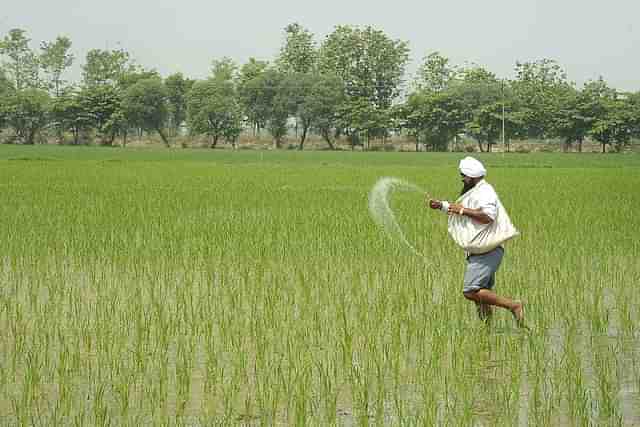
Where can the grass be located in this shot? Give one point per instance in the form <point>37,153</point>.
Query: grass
<point>192,287</point>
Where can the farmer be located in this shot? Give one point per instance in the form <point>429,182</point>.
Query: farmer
<point>482,207</point>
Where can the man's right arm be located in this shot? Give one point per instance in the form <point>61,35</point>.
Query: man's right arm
<point>436,204</point>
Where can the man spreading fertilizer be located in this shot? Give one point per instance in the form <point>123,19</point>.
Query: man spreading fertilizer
<point>480,225</point>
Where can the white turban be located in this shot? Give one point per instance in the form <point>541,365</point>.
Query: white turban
<point>472,167</point>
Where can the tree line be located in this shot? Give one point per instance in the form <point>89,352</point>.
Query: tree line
<point>351,85</point>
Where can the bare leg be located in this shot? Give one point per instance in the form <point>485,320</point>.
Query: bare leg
<point>485,296</point>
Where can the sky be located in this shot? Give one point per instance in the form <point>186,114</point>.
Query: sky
<point>588,38</point>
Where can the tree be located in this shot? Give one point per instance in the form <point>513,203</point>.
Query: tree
<point>213,109</point>
<point>102,104</point>
<point>634,104</point>
<point>224,69</point>
<point>5,90</point>
<point>279,106</point>
<point>249,92</point>
<point>55,58</point>
<point>482,96</point>
<point>298,54</point>
<point>177,88</point>
<point>578,111</point>
<point>435,74</point>
<point>539,85</point>
<point>105,66</point>
<point>433,118</point>
<point>69,114</point>
<point>314,100</point>
<point>372,66</point>
<point>145,106</point>
<point>270,101</point>
<point>27,112</point>
<point>22,66</point>
<point>613,122</point>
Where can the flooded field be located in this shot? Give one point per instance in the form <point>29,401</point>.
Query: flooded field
<point>196,288</point>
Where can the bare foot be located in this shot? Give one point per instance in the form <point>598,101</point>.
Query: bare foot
<point>518,313</point>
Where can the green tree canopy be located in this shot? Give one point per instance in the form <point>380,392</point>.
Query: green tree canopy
<point>372,67</point>
<point>540,85</point>
<point>177,88</point>
<point>102,103</point>
<point>105,66</point>
<point>224,69</point>
<point>27,112</point>
<point>213,109</point>
<point>250,90</point>
<point>55,58</point>
<point>435,74</point>
<point>21,63</point>
<point>299,53</point>
<point>371,64</point>
<point>145,106</point>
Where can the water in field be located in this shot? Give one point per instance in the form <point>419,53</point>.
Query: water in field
<point>216,288</point>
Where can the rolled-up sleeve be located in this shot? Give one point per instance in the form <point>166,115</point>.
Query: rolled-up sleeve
<point>488,202</point>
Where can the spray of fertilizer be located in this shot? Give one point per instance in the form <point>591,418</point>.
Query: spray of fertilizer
<point>381,211</point>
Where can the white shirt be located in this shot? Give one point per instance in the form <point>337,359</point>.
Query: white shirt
<point>485,198</point>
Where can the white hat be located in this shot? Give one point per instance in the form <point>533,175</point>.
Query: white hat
<point>472,167</point>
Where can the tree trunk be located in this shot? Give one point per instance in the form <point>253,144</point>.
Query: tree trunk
<point>327,137</point>
<point>124,138</point>
<point>603,148</point>
<point>163,136</point>
<point>303,138</point>
<point>31,136</point>
<point>480,146</point>
<point>489,145</point>
<point>580,144</point>
<point>214,141</point>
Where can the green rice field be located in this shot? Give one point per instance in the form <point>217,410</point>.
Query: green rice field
<point>200,287</point>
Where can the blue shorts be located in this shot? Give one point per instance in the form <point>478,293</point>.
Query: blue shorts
<point>481,270</point>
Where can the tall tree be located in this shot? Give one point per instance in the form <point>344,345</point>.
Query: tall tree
<point>299,52</point>
<point>540,85</point>
<point>177,88</point>
<point>634,103</point>
<point>315,100</point>
<point>22,64</point>
<point>68,113</point>
<point>213,109</point>
<point>435,74</point>
<point>27,112</point>
<point>250,91</point>
<point>612,115</point>
<point>274,96</point>
<point>483,96</point>
<point>5,90</point>
<point>105,66</point>
<point>433,118</point>
<point>102,104</point>
<point>55,58</point>
<point>578,111</point>
<point>224,69</point>
<point>372,67</point>
<point>145,106</point>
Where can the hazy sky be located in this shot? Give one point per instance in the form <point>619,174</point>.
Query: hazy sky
<point>589,38</point>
